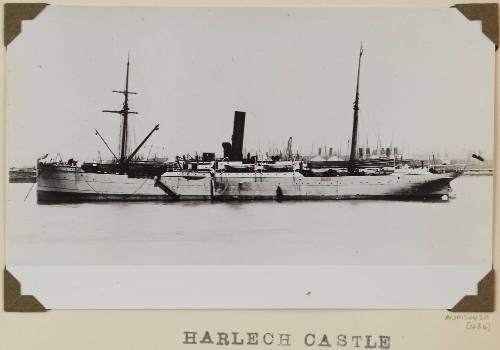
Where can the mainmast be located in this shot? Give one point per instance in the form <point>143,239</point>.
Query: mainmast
<point>354,142</point>
<point>124,112</point>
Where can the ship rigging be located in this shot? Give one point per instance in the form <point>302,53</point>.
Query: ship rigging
<point>125,164</point>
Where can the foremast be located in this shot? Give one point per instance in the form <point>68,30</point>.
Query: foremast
<point>354,140</point>
<point>124,112</point>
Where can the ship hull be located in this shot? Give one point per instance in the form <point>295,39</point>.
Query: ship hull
<point>56,196</point>
<point>421,186</point>
<point>64,183</point>
<point>71,183</point>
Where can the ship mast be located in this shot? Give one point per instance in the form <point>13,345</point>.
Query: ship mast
<point>354,142</point>
<point>124,112</point>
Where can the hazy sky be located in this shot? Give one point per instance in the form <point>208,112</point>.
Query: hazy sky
<point>427,79</point>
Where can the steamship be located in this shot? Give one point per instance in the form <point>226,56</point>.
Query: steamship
<point>236,178</point>
<point>233,177</point>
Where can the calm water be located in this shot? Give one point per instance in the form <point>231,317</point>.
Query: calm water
<point>264,232</point>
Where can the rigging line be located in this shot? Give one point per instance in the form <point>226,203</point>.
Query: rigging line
<point>138,188</point>
<point>149,152</point>
<point>126,195</point>
<point>93,187</point>
<point>29,191</point>
<point>132,126</point>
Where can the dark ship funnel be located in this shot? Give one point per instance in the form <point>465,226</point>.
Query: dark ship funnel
<point>237,139</point>
<point>226,146</point>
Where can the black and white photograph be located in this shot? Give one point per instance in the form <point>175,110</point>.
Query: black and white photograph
<point>221,157</point>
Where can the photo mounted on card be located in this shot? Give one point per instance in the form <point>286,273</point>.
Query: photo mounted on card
<point>249,157</point>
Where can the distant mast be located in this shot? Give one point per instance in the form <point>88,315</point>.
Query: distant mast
<point>354,142</point>
<point>124,112</point>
